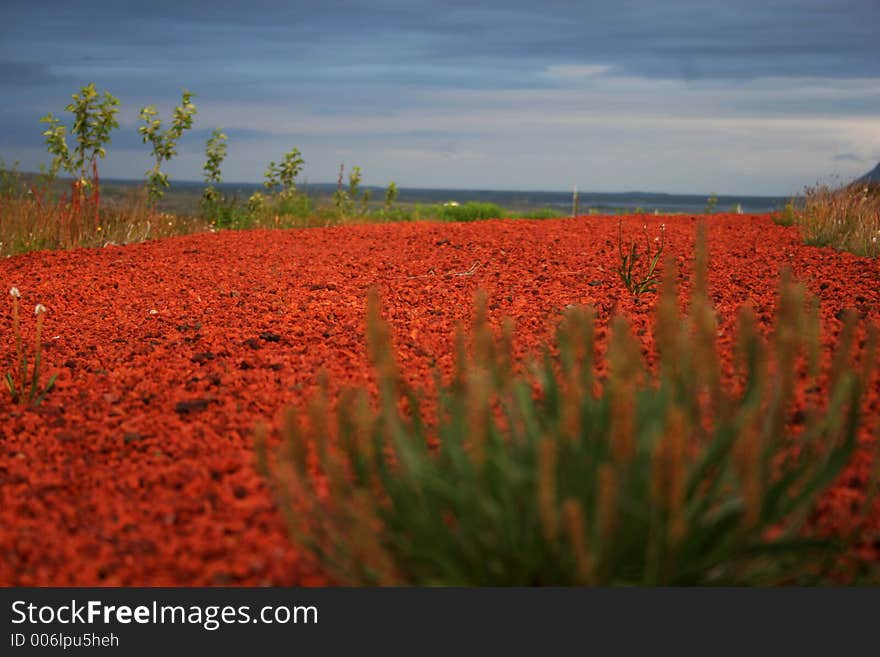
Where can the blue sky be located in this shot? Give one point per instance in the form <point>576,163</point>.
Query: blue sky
<point>733,96</point>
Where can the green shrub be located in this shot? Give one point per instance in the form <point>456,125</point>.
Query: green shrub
<point>641,476</point>
<point>295,205</point>
<point>471,211</point>
<point>786,216</point>
<point>540,213</point>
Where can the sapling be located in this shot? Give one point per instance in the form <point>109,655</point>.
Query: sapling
<point>344,199</point>
<point>164,143</point>
<point>215,151</point>
<point>390,195</point>
<point>711,202</point>
<point>94,116</point>
<point>283,176</point>
<point>340,196</point>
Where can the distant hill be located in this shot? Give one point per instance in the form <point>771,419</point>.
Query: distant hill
<point>872,176</point>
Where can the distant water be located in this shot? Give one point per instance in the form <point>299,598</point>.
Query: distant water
<point>524,200</point>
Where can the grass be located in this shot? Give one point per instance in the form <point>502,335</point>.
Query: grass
<point>35,215</point>
<point>845,218</point>
<point>644,476</point>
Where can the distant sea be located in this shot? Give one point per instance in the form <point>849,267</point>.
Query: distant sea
<point>513,200</point>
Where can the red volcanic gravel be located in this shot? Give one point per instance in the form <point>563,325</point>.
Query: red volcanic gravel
<point>138,468</point>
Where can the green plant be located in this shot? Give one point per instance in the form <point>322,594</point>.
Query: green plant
<point>663,476</point>
<point>711,203</point>
<point>344,199</point>
<point>786,216</point>
<point>215,153</point>
<point>283,177</point>
<point>636,279</point>
<point>540,213</point>
<point>11,184</point>
<point>391,194</point>
<point>94,117</point>
<point>17,384</point>
<point>846,218</point>
<point>164,144</point>
<point>471,211</point>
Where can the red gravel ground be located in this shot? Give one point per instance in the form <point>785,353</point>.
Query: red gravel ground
<point>138,469</point>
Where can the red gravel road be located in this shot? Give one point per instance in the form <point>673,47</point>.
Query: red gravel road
<point>138,468</point>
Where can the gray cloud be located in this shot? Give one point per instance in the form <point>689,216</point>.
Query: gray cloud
<point>390,80</point>
<point>848,157</point>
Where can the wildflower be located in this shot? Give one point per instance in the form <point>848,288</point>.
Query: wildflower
<point>39,309</point>
<point>13,292</point>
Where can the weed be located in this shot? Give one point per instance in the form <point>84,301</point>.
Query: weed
<point>640,279</point>
<point>846,218</point>
<point>786,216</point>
<point>641,477</point>
<point>17,383</point>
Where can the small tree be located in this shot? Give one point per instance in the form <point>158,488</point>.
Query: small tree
<point>340,197</point>
<point>391,195</point>
<point>283,176</point>
<point>94,116</point>
<point>215,152</point>
<point>164,143</point>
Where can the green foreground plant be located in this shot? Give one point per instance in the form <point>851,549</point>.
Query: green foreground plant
<point>17,382</point>
<point>662,476</point>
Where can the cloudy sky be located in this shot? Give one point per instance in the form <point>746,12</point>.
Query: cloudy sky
<point>731,96</point>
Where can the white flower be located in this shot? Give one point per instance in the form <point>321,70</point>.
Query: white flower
<point>13,292</point>
<point>39,309</point>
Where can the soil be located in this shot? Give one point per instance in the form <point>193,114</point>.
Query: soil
<point>138,468</point>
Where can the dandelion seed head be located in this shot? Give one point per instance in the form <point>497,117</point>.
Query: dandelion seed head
<point>13,292</point>
<point>40,309</point>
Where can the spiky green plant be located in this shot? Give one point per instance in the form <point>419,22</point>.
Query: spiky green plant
<point>639,279</point>
<point>641,476</point>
